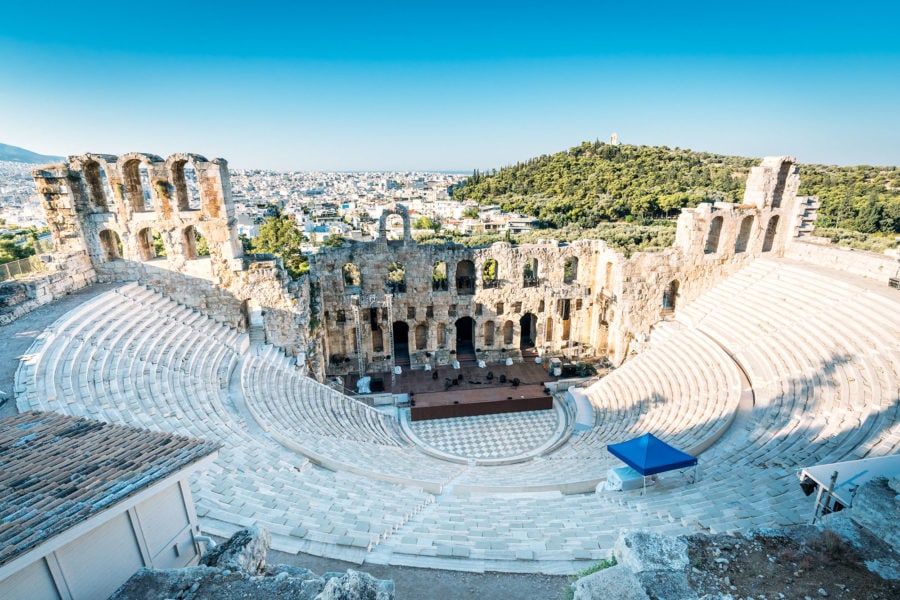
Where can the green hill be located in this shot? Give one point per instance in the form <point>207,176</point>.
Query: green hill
<point>596,182</point>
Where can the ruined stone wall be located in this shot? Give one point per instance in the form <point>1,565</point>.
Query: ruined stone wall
<point>66,274</point>
<point>611,302</point>
<point>564,310</point>
<point>108,210</point>
<point>712,242</point>
<point>875,266</point>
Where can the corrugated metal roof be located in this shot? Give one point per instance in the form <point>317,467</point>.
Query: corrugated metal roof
<point>57,470</point>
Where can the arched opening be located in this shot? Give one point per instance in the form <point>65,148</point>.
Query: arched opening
<point>465,334</point>
<point>352,276</point>
<point>771,230</point>
<point>396,278</point>
<point>159,246</point>
<point>743,238</point>
<point>530,273</point>
<point>548,333</point>
<point>712,238</point>
<point>780,184</point>
<point>146,244</point>
<point>401,343</point>
<point>527,331</point>
<point>95,188</point>
<point>489,276</point>
<point>187,185</point>
<point>441,335</point>
<point>195,245</point>
<point>670,295</point>
<point>137,186</point>
<point>489,334</point>
<point>394,227</point>
<point>570,269</point>
<point>422,337</point>
<point>508,331</point>
<point>111,244</point>
<point>465,277</point>
<point>439,276</point>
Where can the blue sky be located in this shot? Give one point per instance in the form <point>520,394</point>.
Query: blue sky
<point>396,85</point>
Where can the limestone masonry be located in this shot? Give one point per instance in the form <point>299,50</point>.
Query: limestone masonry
<point>369,306</point>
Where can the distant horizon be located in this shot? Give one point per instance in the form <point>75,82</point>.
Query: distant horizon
<point>405,86</point>
<point>485,170</point>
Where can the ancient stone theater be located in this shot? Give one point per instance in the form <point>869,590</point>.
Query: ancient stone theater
<point>427,405</point>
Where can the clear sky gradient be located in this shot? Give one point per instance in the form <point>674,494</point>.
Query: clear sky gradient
<point>451,85</point>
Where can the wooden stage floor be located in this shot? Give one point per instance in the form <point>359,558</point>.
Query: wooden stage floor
<point>422,382</point>
<point>474,393</point>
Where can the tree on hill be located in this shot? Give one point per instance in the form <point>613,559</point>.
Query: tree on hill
<point>280,237</point>
<point>595,182</point>
<point>425,222</point>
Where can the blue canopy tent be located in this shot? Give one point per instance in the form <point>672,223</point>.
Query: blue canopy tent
<point>649,455</point>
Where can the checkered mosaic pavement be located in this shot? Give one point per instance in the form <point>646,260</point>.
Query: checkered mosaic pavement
<point>489,436</point>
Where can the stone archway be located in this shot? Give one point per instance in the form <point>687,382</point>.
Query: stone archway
<point>465,339</point>
<point>527,331</point>
<point>401,343</point>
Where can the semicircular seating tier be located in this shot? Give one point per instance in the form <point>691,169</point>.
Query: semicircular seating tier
<point>821,352</point>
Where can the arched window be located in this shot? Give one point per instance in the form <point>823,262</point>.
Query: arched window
<point>394,227</point>
<point>712,238</point>
<point>352,276</point>
<point>396,278</point>
<point>465,277</point>
<point>771,230</point>
<point>194,242</point>
<point>548,333</point>
<point>137,186</point>
<point>743,238</point>
<point>187,186</point>
<point>530,273</point>
<point>508,331</point>
<point>441,335</point>
<point>422,337</point>
<point>489,276</point>
<point>111,244</point>
<point>489,333</point>
<point>439,277</point>
<point>95,187</point>
<point>670,295</point>
<point>570,269</point>
<point>146,244</point>
<point>780,184</point>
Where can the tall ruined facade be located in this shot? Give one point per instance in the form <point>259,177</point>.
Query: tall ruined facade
<point>369,306</point>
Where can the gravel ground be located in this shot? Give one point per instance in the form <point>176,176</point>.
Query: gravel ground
<point>431,584</point>
<point>798,562</point>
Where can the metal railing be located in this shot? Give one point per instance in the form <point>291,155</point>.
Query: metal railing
<point>21,267</point>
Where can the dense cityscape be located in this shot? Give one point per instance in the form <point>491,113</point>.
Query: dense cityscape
<point>322,204</point>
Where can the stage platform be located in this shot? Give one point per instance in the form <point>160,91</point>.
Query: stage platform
<point>434,395</point>
<point>471,403</point>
